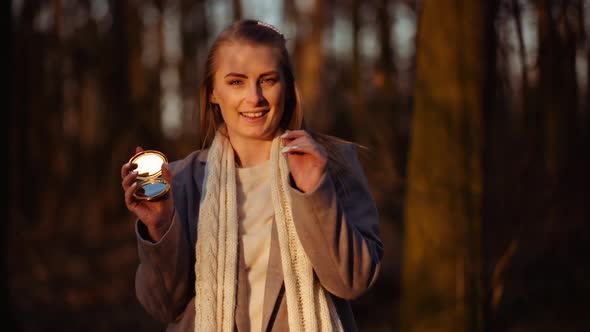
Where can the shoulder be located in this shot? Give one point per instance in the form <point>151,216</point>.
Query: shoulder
<point>191,161</point>
<point>187,177</point>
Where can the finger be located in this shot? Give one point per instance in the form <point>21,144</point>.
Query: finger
<point>302,148</point>
<point>129,199</point>
<point>292,134</point>
<point>301,140</point>
<point>305,145</point>
<point>129,180</point>
<point>127,168</point>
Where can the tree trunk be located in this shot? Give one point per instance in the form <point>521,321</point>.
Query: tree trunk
<point>358,116</point>
<point>194,47</point>
<point>309,63</point>
<point>524,83</point>
<point>10,135</point>
<point>559,102</point>
<point>587,112</point>
<point>441,273</point>
<point>237,9</point>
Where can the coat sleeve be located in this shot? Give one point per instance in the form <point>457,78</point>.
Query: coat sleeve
<point>162,280</point>
<point>338,226</point>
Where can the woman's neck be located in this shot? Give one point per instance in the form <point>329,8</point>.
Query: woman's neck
<point>250,153</point>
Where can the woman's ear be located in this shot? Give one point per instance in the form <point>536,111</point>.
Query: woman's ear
<point>212,98</point>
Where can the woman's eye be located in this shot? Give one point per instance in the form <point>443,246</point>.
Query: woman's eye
<point>268,80</point>
<point>235,82</point>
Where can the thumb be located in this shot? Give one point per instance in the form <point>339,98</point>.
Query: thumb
<point>138,149</point>
<point>166,173</point>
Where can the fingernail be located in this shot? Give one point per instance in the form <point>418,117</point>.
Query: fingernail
<point>134,172</point>
<point>285,134</point>
<point>289,148</point>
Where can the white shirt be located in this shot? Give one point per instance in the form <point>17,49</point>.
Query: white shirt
<point>255,218</point>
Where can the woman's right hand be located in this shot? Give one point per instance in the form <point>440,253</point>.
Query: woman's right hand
<point>156,215</point>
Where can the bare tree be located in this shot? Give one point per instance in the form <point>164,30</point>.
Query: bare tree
<point>441,278</point>
<point>237,9</point>
<point>557,102</point>
<point>309,60</point>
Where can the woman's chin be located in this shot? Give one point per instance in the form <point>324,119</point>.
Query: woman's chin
<point>255,135</point>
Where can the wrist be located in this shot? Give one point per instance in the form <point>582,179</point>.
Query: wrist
<point>158,229</point>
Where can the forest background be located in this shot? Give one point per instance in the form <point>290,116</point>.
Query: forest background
<point>476,115</point>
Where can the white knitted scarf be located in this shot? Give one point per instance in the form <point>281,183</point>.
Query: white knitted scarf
<point>309,306</point>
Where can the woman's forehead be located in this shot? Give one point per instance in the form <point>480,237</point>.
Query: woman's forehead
<point>247,57</point>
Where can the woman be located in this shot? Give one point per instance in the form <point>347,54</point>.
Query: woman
<point>269,227</point>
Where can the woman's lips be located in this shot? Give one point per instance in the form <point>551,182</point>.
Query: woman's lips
<point>254,115</point>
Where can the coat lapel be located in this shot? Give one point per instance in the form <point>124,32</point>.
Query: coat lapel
<point>274,278</point>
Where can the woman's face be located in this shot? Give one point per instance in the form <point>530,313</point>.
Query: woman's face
<point>249,87</point>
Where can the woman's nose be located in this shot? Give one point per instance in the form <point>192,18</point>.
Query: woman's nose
<point>255,94</point>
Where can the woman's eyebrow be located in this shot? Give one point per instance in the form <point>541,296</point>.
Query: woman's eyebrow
<point>235,74</point>
<point>270,72</point>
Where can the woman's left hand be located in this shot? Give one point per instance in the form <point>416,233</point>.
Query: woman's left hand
<point>307,159</point>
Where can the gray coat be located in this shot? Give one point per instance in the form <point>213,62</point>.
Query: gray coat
<point>337,225</point>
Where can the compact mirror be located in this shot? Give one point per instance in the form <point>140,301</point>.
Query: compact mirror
<point>150,183</point>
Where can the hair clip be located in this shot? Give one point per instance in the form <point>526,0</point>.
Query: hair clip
<point>270,27</point>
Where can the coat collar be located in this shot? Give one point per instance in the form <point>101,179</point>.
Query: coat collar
<point>202,155</point>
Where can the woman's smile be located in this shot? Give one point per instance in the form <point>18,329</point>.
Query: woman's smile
<point>254,115</point>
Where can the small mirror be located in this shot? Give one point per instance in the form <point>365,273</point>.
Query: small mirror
<point>150,184</point>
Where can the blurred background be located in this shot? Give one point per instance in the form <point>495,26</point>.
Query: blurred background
<point>476,115</point>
